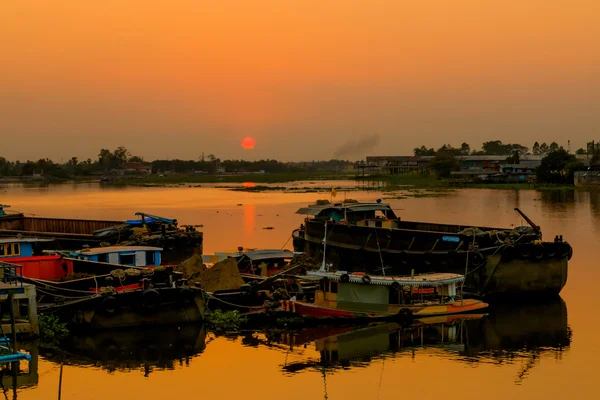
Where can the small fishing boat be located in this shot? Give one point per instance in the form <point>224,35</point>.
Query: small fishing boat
<point>343,295</point>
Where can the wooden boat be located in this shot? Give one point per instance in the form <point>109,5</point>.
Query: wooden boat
<point>68,274</point>
<point>146,306</point>
<point>343,295</point>
<point>369,237</point>
<point>73,234</point>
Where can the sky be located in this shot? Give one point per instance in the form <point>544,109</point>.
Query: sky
<point>176,78</point>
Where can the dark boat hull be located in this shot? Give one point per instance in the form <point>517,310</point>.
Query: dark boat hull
<point>165,306</point>
<point>495,274</point>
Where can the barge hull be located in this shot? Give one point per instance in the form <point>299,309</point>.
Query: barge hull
<point>495,278</point>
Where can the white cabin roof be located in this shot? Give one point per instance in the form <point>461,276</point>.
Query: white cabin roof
<point>418,280</point>
<point>24,240</point>
<point>116,249</point>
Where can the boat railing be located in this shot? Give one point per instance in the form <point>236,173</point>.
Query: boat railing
<point>12,274</point>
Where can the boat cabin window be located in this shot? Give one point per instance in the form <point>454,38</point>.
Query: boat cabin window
<point>127,259</point>
<point>329,286</point>
<point>333,287</point>
<point>10,249</point>
<point>103,257</point>
<point>150,258</point>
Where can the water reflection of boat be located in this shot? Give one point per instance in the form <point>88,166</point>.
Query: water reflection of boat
<point>132,349</point>
<point>510,331</point>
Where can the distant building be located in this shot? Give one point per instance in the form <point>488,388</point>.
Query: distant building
<point>139,167</point>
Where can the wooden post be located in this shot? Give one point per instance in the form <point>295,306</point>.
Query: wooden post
<point>32,314</point>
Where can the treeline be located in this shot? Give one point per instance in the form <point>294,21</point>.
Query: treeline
<point>120,158</point>
<point>492,148</point>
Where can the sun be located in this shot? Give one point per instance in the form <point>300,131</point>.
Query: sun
<point>248,143</point>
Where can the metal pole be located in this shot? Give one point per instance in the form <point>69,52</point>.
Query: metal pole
<point>60,381</point>
<point>13,329</point>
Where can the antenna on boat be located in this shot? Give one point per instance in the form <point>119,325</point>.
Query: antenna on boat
<point>322,269</point>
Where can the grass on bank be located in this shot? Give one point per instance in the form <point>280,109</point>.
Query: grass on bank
<point>237,178</point>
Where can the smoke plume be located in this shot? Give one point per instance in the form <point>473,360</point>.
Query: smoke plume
<point>357,147</point>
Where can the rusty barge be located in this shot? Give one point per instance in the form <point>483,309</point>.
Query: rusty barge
<point>497,262</point>
<point>178,243</point>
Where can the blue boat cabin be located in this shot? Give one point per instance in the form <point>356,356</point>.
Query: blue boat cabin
<point>138,256</point>
<point>21,247</point>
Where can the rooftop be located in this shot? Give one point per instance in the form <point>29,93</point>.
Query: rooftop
<point>115,249</point>
<point>418,280</point>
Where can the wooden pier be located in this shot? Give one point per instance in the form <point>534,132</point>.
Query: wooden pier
<point>19,299</point>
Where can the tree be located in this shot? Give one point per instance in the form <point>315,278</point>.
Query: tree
<point>121,154</point>
<point>136,159</point>
<point>494,147</point>
<point>553,147</point>
<point>105,158</point>
<point>443,163</point>
<point>423,151</point>
<point>515,158</point>
<point>556,167</point>
<point>544,149</point>
<point>465,149</point>
<point>580,151</point>
<point>211,157</point>
<point>536,149</point>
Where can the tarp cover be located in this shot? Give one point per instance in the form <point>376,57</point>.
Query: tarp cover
<point>362,297</point>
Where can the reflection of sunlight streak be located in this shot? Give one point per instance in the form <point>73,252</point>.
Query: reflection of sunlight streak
<point>249,185</point>
<point>249,217</point>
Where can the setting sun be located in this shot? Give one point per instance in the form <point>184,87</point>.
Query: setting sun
<point>248,143</point>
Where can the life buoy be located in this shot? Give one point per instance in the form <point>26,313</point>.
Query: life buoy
<point>109,306</point>
<point>564,250</point>
<point>537,251</point>
<point>508,253</point>
<point>404,257</point>
<point>524,251</point>
<point>246,288</point>
<point>170,243</point>
<point>405,315</point>
<point>345,278</point>
<point>428,258</point>
<point>366,279</point>
<point>476,259</point>
<point>550,250</point>
<point>185,296</point>
<point>150,299</point>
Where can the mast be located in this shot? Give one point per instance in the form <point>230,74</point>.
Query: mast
<point>322,269</point>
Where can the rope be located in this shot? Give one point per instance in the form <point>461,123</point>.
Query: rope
<point>379,250</point>
<point>210,296</point>
<point>286,242</point>
<point>43,283</point>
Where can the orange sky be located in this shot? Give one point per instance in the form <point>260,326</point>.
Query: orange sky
<point>176,78</point>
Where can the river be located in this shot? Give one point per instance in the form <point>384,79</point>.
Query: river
<point>545,351</point>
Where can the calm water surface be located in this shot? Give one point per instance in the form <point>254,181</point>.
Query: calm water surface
<point>535,351</point>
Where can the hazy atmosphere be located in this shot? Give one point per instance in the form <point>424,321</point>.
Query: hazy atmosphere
<point>172,79</point>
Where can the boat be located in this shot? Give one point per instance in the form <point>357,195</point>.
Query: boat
<point>343,295</point>
<point>369,237</point>
<point>150,305</point>
<point>68,274</point>
<point>179,243</point>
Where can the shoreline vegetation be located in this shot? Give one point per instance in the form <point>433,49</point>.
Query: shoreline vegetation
<point>410,185</point>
